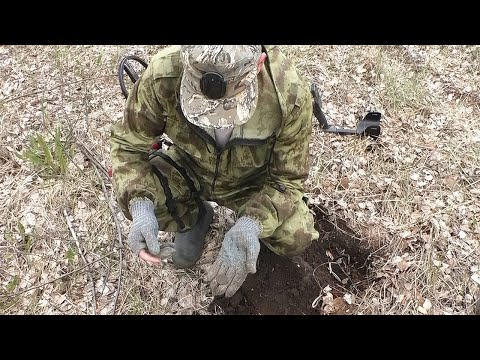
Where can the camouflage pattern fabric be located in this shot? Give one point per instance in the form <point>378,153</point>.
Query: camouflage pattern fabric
<point>259,173</point>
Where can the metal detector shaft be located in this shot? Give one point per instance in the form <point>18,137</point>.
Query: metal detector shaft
<point>369,125</point>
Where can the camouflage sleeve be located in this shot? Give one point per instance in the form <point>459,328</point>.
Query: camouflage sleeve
<point>290,166</point>
<point>132,138</point>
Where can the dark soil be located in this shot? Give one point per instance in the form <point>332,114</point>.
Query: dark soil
<point>283,286</point>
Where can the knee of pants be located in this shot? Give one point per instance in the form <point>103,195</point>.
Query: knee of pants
<point>187,212</point>
<point>295,234</point>
<point>173,189</point>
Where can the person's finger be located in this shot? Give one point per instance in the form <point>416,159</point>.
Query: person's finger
<point>152,243</point>
<point>252,256</point>
<point>137,246</point>
<point>220,275</point>
<point>213,286</point>
<point>229,276</point>
<point>144,255</point>
<point>237,281</point>
<point>212,272</point>
<point>135,241</point>
<point>220,279</point>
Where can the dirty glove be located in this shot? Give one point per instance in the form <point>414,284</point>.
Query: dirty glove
<point>236,259</point>
<point>144,229</point>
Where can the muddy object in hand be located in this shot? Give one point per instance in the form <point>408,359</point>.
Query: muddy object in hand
<point>222,279</point>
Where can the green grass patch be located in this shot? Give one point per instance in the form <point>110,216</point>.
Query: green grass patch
<point>52,157</point>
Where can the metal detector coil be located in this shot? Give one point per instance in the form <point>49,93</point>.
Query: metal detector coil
<point>368,126</point>
<point>125,67</point>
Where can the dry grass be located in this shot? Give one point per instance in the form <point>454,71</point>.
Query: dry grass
<point>413,195</point>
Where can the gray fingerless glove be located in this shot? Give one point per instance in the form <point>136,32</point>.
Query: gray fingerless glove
<point>144,228</point>
<point>236,259</point>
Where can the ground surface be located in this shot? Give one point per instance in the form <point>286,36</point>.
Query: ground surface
<point>296,286</point>
<point>409,201</point>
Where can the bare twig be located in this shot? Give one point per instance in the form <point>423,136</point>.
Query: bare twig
<point>333,272</point>
<point>53,88</point>
<point>337,227</point>
<point>99,167</point>
<point>74,235</point>
<point>60,277</point>
<point>87,153</point>
<point>119,236</point>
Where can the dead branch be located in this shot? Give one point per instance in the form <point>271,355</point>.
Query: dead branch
<point>89,155</point>
<point>60,277</point>
<point>119,236</point>
<point>55,87</point>
<point>74,235</point>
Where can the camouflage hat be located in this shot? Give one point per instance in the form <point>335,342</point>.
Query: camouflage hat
<point>219,84</point>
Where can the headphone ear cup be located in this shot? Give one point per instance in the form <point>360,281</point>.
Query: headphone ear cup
<point>213,85</point>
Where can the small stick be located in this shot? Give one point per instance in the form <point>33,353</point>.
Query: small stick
<point>92,158</point>
<point>60,277</point>
<point>119,236</point>
<point>74,235</point>
<point>53,88</point>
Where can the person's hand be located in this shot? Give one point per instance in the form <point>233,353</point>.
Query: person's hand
<point>142,237</point>
<point>236,259</point>
<point>166,250</point>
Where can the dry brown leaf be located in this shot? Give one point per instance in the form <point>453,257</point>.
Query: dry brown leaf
<point>427,305</point>
<point>329,254</point>
<point>422,310</point>
<point>337,306</point>
<point>349,298</point>
<point>416,215</point>
<point>450,180</point>
<point>476,277</point>
<point>344,182</point>
<point>403,265</point>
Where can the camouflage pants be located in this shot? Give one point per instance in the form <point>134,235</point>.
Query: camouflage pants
<point>292,237</point>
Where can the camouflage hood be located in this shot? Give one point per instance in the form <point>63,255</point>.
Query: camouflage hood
<point>219,84</point>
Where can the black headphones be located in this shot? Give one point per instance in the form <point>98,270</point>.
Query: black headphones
<point>213,85</point>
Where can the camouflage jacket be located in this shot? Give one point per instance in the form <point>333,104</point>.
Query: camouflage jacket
<point>269,153</point>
